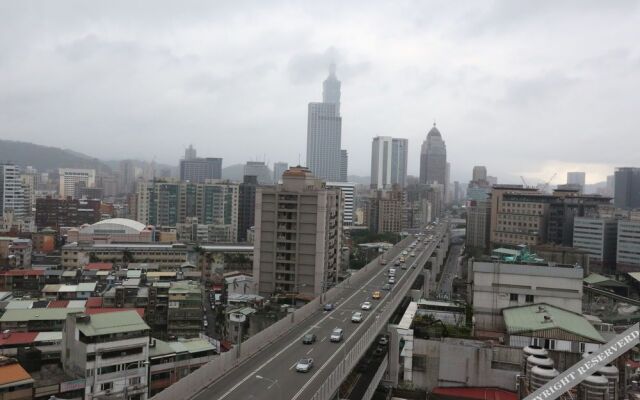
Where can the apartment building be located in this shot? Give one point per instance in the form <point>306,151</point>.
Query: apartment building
<point>109,351</point>
<point>70,178</point>
<point>184,315</point>
<point>498,285</point>
<point>75,255</point>
<point>297,235</point>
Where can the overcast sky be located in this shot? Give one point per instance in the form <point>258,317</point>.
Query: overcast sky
<point>524,87</point>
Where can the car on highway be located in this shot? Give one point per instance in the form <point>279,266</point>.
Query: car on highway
<point>378,351</point>
<point>404,266</point>
<point>402,260</point>
<point>375,295</point>
<point>304,365</point>
<point>328,307</point>
<point>404,253</point>
<point>392,280</point>
<point>383,341</point>
<point>309,338</point>
<point>357,317</point>
<point>336,335</point>
<point>397,263</point>
<point>413,254</point>
<point>386,287</point>
<point>366,305</point>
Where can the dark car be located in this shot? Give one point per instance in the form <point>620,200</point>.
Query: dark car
<point>378,351</point>
<point>328,307</point>
<point>309,338</point>
<point>386,286</point>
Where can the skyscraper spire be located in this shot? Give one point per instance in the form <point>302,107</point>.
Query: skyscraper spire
<point>331,89</point>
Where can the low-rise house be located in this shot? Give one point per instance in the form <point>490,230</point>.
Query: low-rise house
<point>109,351</point>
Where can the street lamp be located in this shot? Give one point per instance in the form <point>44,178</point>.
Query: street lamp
<point>272,382</point>
<point>126,374</point>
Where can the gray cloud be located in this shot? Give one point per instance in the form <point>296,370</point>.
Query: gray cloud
<point>515,85</point>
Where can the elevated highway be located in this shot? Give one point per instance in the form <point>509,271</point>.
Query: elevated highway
<point>264,368</point>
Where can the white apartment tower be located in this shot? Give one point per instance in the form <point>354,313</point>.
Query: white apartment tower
<point>388,162</point>
<point>11,192</point>
<point>324,132</point>
<point>70,177</point>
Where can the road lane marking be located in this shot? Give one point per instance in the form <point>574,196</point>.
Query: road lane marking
<point>340,349</point>
<point>309,352</point>
<point>228,392</point>
<point>323,339</point>
<point>293,366</point>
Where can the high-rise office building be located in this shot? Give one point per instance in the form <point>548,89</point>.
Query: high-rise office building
<point>387,211</point>
<point>260,170</point>
<point>11,191</point>
<point>247,205</point>
<point>297,236</point>
<point>388,162</point>
<point>190,153</point>
<point>628,246</point>
<point>324,132</point>
<point>344,165</point>
<point>433,159</point>
<point>29,178</point>
<point>278,170</point>
<point>627,188</point>
<point>70,177</point>
<point>479,173</point>
<point>576,178</point>
<point>596,236</point>
<point>199,170</point>
<point>127,176</point>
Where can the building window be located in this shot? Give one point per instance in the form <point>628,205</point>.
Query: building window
<point>582,347</point>
<point>106,386</point>
<point>528,298</point>
<point>513,296</point>
<point>134,381</point>
<point>549,344</point>
<point>419,363</point>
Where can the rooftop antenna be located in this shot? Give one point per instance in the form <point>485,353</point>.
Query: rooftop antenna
<point>299,159</point>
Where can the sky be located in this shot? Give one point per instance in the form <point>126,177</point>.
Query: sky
<point>526,88</point>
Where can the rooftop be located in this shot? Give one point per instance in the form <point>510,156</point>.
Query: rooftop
<point>11,374</point>
<point>542,317</point>
<point>112,322</point>
<point>38,314</point>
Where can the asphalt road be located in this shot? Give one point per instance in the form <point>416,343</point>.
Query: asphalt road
<point>450,270</point>
<point>276,365</point>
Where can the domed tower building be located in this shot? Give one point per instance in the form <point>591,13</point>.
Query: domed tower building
<point>433,159</point>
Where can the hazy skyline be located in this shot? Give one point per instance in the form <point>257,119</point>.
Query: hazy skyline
<point>524,88</point>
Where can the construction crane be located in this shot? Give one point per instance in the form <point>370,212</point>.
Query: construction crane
<point>547,183</point>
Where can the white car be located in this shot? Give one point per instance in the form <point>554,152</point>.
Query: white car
<point>357,317</point>
<point>304,365</point>
<point>392,280</point>
<point>336,335</point>
<point>366,305</point>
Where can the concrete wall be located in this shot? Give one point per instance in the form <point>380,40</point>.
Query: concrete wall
<point>456,362</point>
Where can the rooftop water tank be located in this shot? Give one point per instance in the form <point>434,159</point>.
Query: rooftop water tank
<point>531,351</point>
<point>540,375</point>
<point>594,387</point>
<point>534,360</point>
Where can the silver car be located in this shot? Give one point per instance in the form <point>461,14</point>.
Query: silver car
<point>304,365</point>
<point>336,335</point>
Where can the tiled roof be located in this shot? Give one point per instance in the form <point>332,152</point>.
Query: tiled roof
<point>476,393</point>
<point>58,304</point>
<point>24,272</point>
<point>13,373</point>
<point>100,266</point>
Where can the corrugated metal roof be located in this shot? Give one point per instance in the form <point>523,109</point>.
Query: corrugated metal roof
<point>476,393</point>
<point>87,287</point>
<point>528,319</point>
<point>597,279</point>
<point>48,336</point>
<point>19,304</point>
<point>114,322</point>
<point>77,303</point>
<point>38,314</point>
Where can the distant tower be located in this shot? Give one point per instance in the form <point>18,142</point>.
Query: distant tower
<point>344,165</point>
<point>324,132</point>
<point>190,153</point>
<point>278,170</point>
<point>433,159</point>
